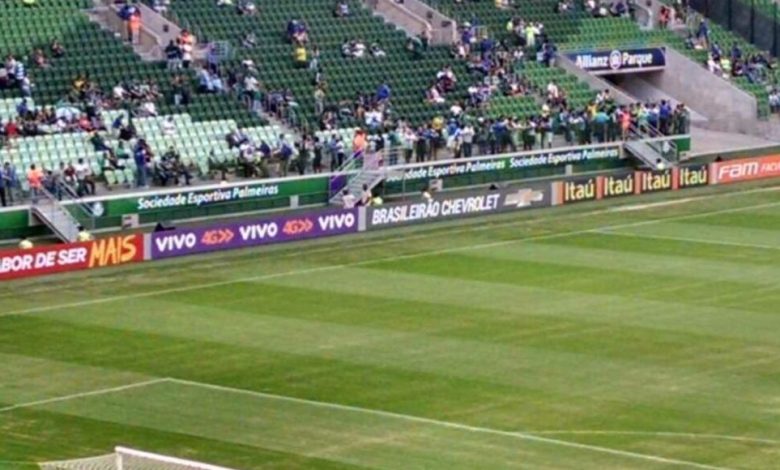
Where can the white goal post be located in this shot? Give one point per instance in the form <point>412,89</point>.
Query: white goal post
<point>125,458</point>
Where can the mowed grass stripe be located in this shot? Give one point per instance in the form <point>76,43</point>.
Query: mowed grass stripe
<point>707,233</point>
<point>36,435</point>
<point>29,378</point>
<point>562,229</point>
<point>762,219</point>
<point>351,435</point>
<point>294,375</point>
<point>584,375</point>
<point>734,396</point>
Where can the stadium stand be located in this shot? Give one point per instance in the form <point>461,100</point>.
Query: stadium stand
<point>578,28</point>
<point>345,77</point>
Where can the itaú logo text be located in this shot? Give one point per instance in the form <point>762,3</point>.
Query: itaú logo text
<point>297,226</point>
<point>217,237</point>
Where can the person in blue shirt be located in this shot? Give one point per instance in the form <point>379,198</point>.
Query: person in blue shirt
<point>140,156</point>
<point>383,93</point>
<point>703,32</point>
<point>10,181</point>
<point>664,116</point>
<point>22,108</point>
<point>736,52</point>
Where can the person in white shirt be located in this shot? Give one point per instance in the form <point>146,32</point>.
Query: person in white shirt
<point>553,92</point>
<point>366,197</point>
<point>358,49</point>
<point>186,54</point>
<point>119,92</point>
<point>434,97</point>
<point>149,108</point>
<point>168,126</point>
<point>85,182</point>
<point>348,199</point>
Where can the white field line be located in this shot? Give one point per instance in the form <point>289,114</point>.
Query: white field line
<point>683,435</point>
<point>651,205</point>
<point>687,239</point>
<point>91,393</point>
<point>452,425</point>
<point>333,267</point>
<point>52,287</point>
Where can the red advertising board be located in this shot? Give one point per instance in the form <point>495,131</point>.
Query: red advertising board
<point>112,251</point>
<point>745,169</point>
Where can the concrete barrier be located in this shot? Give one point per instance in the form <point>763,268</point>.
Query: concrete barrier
<point>414,16</point>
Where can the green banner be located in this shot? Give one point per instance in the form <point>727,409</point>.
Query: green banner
<point>506,163</point>
<point>144,203</point>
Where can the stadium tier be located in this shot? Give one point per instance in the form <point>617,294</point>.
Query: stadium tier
<point>92,52</point>
<point>579,30</point>
<point>345,76</point>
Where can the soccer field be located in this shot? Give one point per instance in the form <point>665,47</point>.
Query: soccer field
<point>590,336</point>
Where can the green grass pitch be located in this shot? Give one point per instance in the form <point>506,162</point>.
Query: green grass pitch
<point>580,337</point>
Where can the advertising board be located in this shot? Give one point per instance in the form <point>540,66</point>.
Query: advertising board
<point>213,195</point>
<point>692,176</point>
<point>745,169</point>
<point>254,232</point>
<point>457,205</point>
<point>111,251</point>
<point>619,60</point>
<point>504,163</point>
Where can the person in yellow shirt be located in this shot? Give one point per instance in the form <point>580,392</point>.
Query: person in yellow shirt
<point>301,56</point>
<point>25,244</point>
<point>84,235</point>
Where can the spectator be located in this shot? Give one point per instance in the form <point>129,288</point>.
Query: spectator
<point>85,182</point>
<point>383,93</point>
<point>173,55</point>
<point>141,156</point>
<point>168,127</point>
<point>348,199</point>
<point>774,101</point>
<point>433,96</point>
<point>703,33</point>
<point>297,32</point>
<point>39,59</point>
<point>376,50</point>
<point>300,56</point>
<point>56,49</point>
<point>353,48</point>
<point>246,8</point>
<point>249,40</point>
<point>426,35</point>
<point>341,10</point>
<point>160,6</point>
<point>365,196</point>
<point>35,180</point>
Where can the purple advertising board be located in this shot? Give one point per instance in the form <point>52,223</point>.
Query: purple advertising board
<point>264,231</point>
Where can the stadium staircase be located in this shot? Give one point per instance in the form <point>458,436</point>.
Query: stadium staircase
<point>49,210</point>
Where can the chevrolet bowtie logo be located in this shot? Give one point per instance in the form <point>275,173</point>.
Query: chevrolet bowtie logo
<point>523,198</point>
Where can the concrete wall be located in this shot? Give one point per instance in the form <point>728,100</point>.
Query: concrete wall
<point>413,16</point>
<point>726,107</point>
<point>595,82</point>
